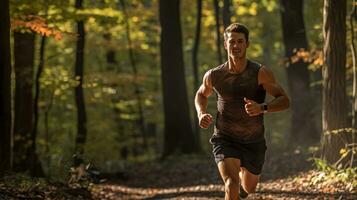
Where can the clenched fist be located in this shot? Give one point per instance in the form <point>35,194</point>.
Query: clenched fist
<point>252,108</point>
<point>205,120</point>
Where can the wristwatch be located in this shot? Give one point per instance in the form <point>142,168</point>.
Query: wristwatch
<point>265,107</point>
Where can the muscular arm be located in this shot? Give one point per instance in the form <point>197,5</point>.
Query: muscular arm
<point>267,80</point>
<point>201,100</point>
<point>202,94</point>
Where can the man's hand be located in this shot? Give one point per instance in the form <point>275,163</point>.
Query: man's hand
<point>205,120</point>
<point>252,108</point>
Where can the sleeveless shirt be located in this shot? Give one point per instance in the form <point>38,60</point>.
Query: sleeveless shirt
<point>231,88</point>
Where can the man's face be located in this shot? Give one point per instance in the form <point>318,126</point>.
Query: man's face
<point>236,45</point>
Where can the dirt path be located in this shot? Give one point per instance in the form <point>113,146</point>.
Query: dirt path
<point>198,178</point>
<point>213,191</point>
<point>285,176</point>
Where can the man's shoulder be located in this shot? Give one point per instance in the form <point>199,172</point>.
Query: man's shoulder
<point>213,73</point>
<point>217,68</point>
<point>255,64</point>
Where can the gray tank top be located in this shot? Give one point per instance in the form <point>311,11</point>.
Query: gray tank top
<point>231,88</point>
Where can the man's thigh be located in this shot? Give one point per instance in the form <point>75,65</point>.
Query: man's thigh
<point>249,181</point>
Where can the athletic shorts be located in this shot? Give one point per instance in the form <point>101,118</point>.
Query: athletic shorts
<point>251,155</point>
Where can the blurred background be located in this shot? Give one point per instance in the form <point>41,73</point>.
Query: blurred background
<point>113,81</point>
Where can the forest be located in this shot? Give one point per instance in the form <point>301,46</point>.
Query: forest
<point>97,97</point>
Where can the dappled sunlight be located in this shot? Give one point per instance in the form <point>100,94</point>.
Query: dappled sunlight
<point>170,99</point>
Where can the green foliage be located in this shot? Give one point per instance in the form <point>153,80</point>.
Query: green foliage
<point>329,174</point>
<point>111,100</point>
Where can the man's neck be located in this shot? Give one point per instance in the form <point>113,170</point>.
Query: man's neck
<point>237,65</point>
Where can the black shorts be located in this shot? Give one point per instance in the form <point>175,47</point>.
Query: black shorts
<point>251,155</point>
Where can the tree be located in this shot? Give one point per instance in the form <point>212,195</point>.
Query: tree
<point>226,13</point>
<point>140,121</point>
<point>79,96</point>
<point>195,61</point>
<point>37,171</point>
<point>196,45</point>
<point>178,134</point>
<point>353,17</point>
<point>294,37</point>
<point>5,91</point>
<point>24,49</point>
<point>110,54</point>
<point>334,114</point>
<point>218,33</point>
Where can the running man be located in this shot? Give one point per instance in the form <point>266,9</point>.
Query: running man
<point>238,139</point>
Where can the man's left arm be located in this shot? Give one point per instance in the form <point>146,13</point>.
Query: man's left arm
<point>267,80</point>
<point>280,101</point>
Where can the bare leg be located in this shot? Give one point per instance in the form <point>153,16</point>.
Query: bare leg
<point>229,170</point>
<point>249,181</point>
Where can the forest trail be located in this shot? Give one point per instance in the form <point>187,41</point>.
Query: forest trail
<point>266,190</point>
<point>287,175</point>
<point>197,178</point>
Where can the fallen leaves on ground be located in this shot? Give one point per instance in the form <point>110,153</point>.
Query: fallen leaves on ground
<point>286,176</point>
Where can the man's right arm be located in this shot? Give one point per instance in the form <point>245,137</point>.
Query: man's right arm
<point>201,101</point>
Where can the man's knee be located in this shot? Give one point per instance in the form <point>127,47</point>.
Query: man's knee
<point>231,184</point>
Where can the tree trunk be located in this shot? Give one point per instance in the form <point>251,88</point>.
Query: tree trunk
<point>178,135</point>
<point>196,45</point>
<point>353,14</point>
<point>334,114</point>
<point>294,37</point>
<point>5,91</point>
<point>79,96</point>
<point>353,53</point>
<point>195,64</point>
<point>36,168</point>
<point>110,54</point>
<point>111,61</point>
<point>140,121</point>
<point>218,33</point>
<point>226,13</point>
<point>24,49</point>
<point>47,132</point>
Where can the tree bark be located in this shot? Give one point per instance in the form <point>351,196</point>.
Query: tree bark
<point>195,64</point>
<point>334,114</point>
<point>218,33</point>
<point>196,44</point>
<point>226,13</point>
<point>36,169</point>
<point>178,134</point>
<point>79,96</point>
<point>5,91</point>
<point>24,50</point>
<point>353,14</point>
<point>294,37</point>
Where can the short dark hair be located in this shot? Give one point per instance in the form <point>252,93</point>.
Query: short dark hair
<point>237,28</point>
